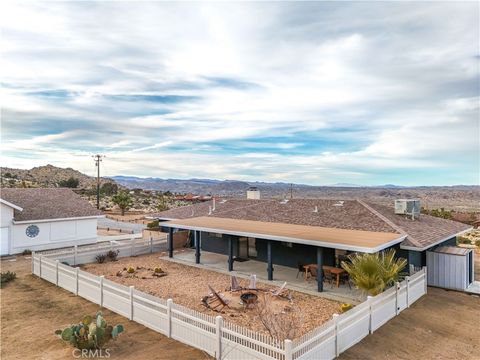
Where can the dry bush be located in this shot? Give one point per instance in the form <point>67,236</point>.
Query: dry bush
<point>281,325</point>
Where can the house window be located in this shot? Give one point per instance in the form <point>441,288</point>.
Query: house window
<point>215,235</point>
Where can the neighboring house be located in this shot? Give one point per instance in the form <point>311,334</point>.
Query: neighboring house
<point>289,232</point>
<point>40,219</point>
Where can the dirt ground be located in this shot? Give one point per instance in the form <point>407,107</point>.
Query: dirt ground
<point>32,309</point>
<point>441,325</point>
<point>186,285</point>
<point>129,217</point>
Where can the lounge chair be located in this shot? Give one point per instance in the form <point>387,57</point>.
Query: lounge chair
<point>281,291</point>
<point>253,283</point>
<point>234,286</point>
<point>215,301</point>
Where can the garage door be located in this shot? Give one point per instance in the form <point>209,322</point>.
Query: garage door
<point>4,241</point>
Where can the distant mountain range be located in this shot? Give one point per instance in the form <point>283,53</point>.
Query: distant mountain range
<point>461,197</point>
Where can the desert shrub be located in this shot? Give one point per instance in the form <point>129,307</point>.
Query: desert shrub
<point>130,270</point>
<point>27,252</point>
<point>280,325</point>
<point>109,188</point>
<point>70,183</point>
<point>113,254</point>
<point>153,224</point>
<point>373,273</point>
<point>158,270</point>
<point>6,277</point>
<point>100,258</point>
<point>477,243</point>
<point>463,240</point>
<point>91,333</point>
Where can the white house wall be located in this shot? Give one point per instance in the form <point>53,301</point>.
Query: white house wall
<point>53,234</point>
<point>6,215</point>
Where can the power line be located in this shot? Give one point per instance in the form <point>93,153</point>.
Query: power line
<point>97,158</point>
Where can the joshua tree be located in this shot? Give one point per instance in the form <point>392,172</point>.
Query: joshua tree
<point>373,273</point>
<point>123,200</point>
<point>162,203</point>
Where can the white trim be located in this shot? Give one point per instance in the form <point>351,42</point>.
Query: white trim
<point>16,207</point>
<point>435,243</point>
<point>290,239</point>
<point>60,219</point>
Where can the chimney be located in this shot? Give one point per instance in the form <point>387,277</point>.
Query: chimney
<point>316,209</point>
<point>253,193</point>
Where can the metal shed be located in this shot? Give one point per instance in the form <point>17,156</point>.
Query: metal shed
<point>450,267</point>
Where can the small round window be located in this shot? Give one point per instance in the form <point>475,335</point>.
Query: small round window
<point>32,231</point>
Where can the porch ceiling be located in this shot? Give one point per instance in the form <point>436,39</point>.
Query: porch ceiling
<point>355,240</point>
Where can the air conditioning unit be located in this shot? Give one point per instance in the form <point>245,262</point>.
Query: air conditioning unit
<point>407,207</point>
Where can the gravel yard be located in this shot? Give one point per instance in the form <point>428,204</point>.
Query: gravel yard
<point>186,285</point>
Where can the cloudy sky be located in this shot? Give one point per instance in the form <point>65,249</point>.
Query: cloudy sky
<point>316,93</point>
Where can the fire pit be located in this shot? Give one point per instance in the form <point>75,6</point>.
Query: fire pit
<point>248,299</point>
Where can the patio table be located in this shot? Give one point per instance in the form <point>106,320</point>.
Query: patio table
<point>334,270</point>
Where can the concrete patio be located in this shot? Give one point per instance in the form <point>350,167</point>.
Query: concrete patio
<point>219,263</point>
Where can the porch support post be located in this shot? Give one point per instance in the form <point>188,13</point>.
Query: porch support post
<point>269,259</point>
<point>230,253</point>
<point>319,269</point>
<point>197,246</point>
<point>170,243</point>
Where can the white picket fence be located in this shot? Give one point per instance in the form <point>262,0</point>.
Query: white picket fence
<point>219,338</point>
<point>347,329</point>
<point>85,254</point>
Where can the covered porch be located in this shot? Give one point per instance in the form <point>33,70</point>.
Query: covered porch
<point>295,280</point>
<point>278,246</point>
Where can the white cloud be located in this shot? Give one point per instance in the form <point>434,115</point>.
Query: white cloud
<point>360,90</point>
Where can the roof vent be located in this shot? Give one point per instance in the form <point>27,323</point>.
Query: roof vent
<point>316,209</point>
<point>284,201</point>
<point>339,203</point>
<point>223,201</point>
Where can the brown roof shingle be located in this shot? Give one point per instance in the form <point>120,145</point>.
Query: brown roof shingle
<point>44,204</point>
<point>425,230</point>
<point>353,214</point>
<point>312,212</point>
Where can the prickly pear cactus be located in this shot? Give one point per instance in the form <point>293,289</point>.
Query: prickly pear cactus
<point>92,332</point>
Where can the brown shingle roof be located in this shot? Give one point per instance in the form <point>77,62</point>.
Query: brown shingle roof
<point>354,215</point>
<point>424,231</point>
<point>43,204</point>
<point>312,212</point>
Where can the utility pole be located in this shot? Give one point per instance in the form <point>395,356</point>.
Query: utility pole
<point>97,158</point>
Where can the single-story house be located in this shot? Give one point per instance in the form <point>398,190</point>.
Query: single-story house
<point>41,219</point>
<point>289,232</point>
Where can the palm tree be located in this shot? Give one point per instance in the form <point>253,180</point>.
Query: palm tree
<point>123,200</point>
<point>373,273</point>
